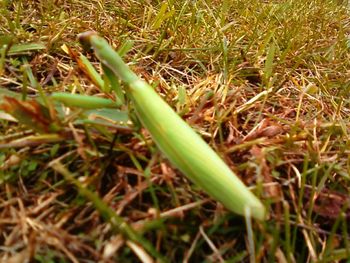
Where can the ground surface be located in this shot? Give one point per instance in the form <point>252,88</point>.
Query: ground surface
<point>266,83</point>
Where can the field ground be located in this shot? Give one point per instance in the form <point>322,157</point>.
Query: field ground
<point>266,83</point>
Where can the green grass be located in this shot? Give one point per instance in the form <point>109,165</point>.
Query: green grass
<point>266,83</point>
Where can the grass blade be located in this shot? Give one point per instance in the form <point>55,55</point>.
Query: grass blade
<point>117,222</point>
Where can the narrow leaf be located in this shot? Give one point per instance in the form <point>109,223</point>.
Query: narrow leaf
<point>269,62</point>
<point>24,48</point>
